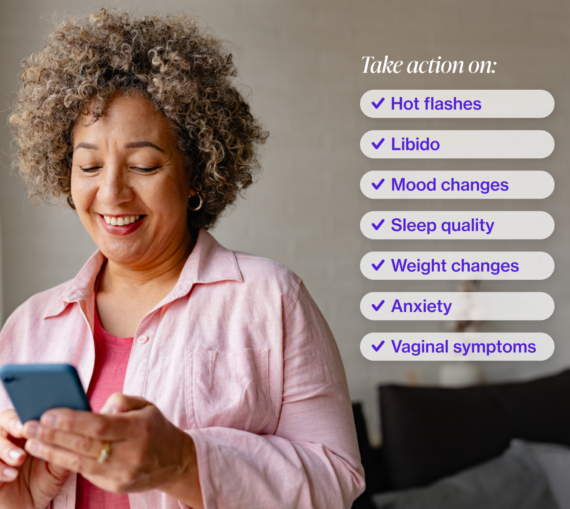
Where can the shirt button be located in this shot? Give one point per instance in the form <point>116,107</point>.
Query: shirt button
<point>142,340</point>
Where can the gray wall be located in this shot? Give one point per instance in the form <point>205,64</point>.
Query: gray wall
<point>302,61</point>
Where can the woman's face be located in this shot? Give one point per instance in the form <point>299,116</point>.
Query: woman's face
<point>129,183</point>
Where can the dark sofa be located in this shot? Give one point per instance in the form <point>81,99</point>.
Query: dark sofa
<point>430,432</point>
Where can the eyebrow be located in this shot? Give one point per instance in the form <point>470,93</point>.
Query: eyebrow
<point>86,145</point>
<point>133,144</point>
<point>140,144</point>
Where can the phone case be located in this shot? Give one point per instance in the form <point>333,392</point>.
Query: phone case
<point>36,388</point>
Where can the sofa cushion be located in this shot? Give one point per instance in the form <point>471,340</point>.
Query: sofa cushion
<point>430,433</point>
<point>513,481</point>
<point>555,463</point>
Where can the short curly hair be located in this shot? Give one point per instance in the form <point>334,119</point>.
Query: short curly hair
<point>180,68</point>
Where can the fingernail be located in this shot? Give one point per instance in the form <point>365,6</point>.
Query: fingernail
<point>16,454</point>
<point>17,425</point>
<point>9,472</point>
<point>33,430</point>
<point>50,420</point>
<point>33,446</point>
<point>111,409</point>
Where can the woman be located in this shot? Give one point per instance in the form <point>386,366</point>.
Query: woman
<point>214,379</point>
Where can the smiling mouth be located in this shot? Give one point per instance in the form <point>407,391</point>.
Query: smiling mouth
<point>122,220</point>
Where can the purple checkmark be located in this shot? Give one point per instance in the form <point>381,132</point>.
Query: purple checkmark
<point>376,226</point>
<point>378,104</point>
<point>377,145</point>
<point>377,186</point>
<point>376,348</point>
<point>376,267</point>
<point>377,307</point>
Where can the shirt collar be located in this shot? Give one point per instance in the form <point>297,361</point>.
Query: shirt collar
<point>209,262</point>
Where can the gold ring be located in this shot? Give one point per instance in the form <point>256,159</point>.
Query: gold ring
<point>105,453</point>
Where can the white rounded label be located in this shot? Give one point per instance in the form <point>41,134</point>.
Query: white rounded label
<point>457,185</point>
<point>397,346</point>
<point>457,103</point>
<point>457,306</point>
<point>456,225</point>
<point>457,144</point>
<point>456,265</point>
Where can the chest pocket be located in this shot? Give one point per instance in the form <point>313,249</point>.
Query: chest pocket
<point>229,388</point>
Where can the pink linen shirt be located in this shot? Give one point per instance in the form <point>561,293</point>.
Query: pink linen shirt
<point>239,357</point>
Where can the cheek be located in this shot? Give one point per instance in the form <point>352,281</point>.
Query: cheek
<point>167,198</point>
<point>82,192</point>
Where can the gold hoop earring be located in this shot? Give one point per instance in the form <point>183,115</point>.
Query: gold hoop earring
<point>199,204</point>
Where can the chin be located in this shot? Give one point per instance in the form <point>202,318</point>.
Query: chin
<point>123,252</point>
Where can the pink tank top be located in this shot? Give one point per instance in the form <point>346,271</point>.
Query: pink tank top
<point>111,359</point>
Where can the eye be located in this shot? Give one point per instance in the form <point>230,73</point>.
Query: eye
<point>90,169</point>
<point>145,170</point>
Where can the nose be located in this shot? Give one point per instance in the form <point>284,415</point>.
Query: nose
<point>114,187</point>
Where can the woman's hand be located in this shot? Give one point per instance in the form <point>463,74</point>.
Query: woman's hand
<point>25,482</point>
<point>147,451</point>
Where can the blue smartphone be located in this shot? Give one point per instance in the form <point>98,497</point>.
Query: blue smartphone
<point>37,388</point>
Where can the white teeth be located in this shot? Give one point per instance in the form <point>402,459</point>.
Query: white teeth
<point>121,221</point>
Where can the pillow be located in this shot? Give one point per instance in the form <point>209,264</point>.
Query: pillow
<point>513,481</point>
<point>430,433</point>
<point>555,462</point>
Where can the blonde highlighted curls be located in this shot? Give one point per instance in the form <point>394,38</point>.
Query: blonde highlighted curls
<point>183,71</point>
